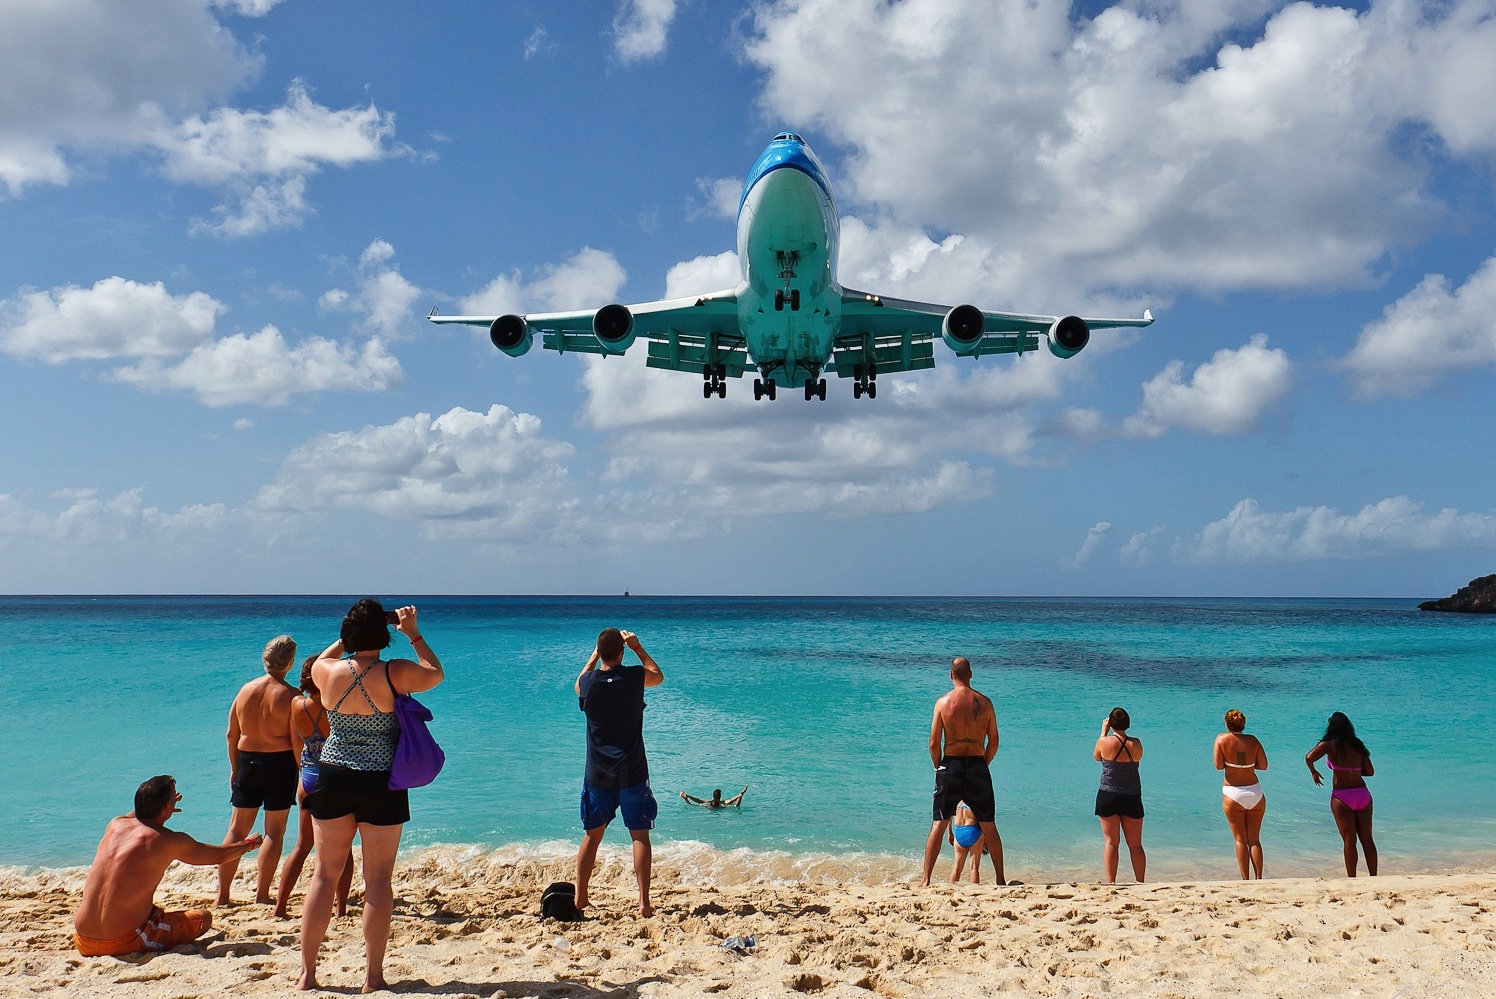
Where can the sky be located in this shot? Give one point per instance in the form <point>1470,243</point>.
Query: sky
<point>223,223</point>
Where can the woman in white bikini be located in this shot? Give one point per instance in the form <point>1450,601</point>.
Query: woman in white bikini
<point>1239,756</point>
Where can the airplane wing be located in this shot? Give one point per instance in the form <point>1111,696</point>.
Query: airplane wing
<point>900,333</point>
<point>684,334</point>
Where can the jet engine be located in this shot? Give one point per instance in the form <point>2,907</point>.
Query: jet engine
<point>613,325</point>
<point>1068,335</point>
<point>511,334</point>
<point>962,329</point>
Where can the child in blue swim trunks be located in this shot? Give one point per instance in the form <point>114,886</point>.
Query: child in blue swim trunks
<point>966,837</point>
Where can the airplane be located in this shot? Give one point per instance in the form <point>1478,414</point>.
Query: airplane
<point>788,319</point>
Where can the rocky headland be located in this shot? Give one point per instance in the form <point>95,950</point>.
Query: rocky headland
<point>1476,597</point>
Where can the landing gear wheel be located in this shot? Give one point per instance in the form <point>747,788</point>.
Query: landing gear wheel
<point>707,389</point>
<point>857,390</point>
<point>795,300</point>
<point>758,389</point>
<point>779,300</point>
<point>769,389</point>
<point>707,372</point>
<point>821,389</point>
<point>872,390</point>
<point>720,371</point>
<point>721,390</point>
<point>810,390</point>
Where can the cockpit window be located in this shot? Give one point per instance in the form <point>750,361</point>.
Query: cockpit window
<point>787,136</point>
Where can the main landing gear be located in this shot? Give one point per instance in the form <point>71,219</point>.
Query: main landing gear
<point>815,386</point>
<point>714,381</point>
<point>865,381</point>
<point>763,387</point>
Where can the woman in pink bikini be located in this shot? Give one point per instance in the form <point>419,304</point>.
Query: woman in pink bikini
<point>1350,801</point>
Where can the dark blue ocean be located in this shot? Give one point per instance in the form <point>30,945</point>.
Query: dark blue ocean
<point>821,705</point>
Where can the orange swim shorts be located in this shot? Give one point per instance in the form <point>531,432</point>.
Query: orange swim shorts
<point>162,931</point>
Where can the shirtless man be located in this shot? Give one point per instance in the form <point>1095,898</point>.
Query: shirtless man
<point>262,767</point>
<point>118,914</point>
<point>965,721</point>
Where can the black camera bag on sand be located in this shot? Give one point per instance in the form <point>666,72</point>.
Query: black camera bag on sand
<point>559,901</point>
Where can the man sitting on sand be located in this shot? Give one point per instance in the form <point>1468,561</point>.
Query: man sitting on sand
<point>965,721</point>
<point>118,914</point>
<point>717,800</point>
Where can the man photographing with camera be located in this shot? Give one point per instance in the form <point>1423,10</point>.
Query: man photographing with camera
<point>617,774</point>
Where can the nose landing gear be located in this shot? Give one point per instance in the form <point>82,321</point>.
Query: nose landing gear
<point>787,295</point>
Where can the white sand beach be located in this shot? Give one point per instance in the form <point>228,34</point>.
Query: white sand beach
<point>470,927</point>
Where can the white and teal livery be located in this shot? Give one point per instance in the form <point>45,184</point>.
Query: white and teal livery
<point>788,319</point>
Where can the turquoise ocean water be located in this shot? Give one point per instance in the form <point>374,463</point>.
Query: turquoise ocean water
<point>822,705</point>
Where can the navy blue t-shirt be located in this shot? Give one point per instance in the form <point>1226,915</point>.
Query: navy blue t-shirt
<point>613,701</point>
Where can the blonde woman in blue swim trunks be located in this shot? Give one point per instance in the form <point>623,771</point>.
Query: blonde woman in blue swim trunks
<point>1239,756</point>
<point>1350,799</point>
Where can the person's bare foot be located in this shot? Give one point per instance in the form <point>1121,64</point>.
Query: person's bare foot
<point>307,982</point>
<point>265,900</point>
<point>645,909</point>
<point>280,913</point>
<point>376,985</point>
<point>223,900</point>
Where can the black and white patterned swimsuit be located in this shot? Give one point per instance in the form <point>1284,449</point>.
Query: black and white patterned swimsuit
<point>361,742</point>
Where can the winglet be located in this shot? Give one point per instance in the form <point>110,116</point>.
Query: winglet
<point>431,313</point>
<point>1147,314</point>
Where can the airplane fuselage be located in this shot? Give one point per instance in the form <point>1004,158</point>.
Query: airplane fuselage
<point>789,301</point>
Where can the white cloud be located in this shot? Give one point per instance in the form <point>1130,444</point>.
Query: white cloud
<point>1392,526</point>
<point>1229,394</point>
<point>1139,551</point>
<point>264,158</point>
<point>82,518</point>
<point>262,369</point>
<point>90,79</point>
<point>104,77</point>
<point>1088,548</point>
<point>247,8</point>
<point>486,476</point>
<point>539,43</point>
<point>702,275</point>
<point>719,198</point>
<point>115,318</point>
<point>1427,333</point>
<point>590,279</point>
<point>641,29</point>
<point>1139,146</point>
<point>384,296</point>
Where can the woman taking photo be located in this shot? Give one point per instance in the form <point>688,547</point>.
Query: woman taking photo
<point>1350,800</point>
<point>351,794</point>
<point>1119,801</point>
<point>1239,756</point>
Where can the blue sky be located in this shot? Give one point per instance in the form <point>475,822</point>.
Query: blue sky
<point>225,222</point>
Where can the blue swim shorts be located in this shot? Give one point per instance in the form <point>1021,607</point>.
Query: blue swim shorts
<point>600,804</point>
